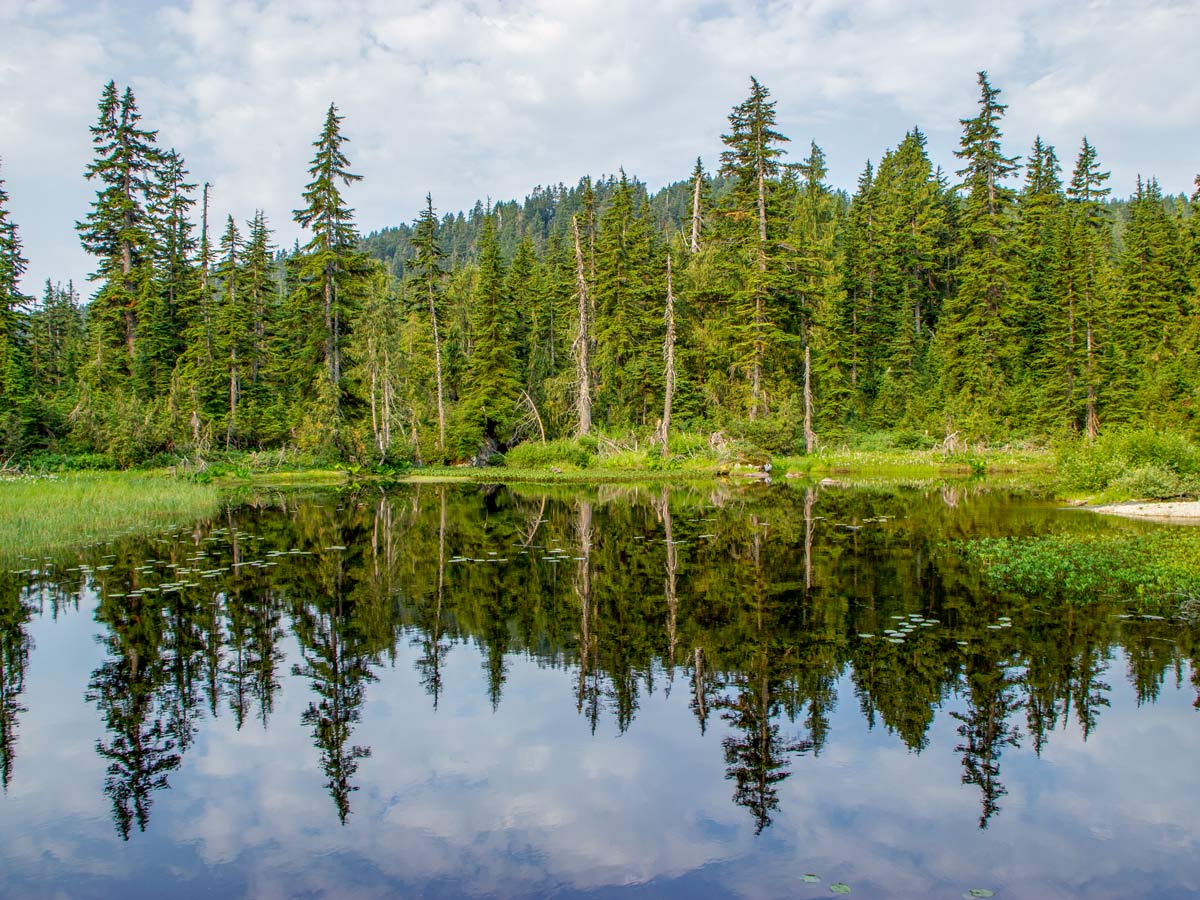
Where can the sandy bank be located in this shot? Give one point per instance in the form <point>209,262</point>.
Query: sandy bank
<point>1186,512</point>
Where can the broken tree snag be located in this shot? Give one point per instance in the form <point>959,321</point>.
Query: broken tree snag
<point>534,411</point>
<point>582,338</point>
<point>669,355</point>
<point>698,182</point>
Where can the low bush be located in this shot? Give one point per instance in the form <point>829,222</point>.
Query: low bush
<point>1132,462</point>
<point>576,453</point>
<point>1152,483</point>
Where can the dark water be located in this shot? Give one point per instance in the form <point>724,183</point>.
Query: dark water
<point>452,692</point>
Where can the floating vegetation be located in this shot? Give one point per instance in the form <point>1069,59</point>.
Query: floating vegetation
<point>839,887</point>
<point>1160,567</point>
<point>810,878</point>
<point>975,893</point>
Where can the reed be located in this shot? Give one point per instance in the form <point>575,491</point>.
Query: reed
<point>41,515</point>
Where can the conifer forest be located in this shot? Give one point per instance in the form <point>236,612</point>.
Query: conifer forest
<point>1015,298</point>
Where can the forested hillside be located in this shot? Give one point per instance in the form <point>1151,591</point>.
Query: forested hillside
<point>1011,299</point>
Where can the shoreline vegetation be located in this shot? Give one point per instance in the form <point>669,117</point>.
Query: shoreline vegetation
<point>42,515</point>
<point>51,504</point>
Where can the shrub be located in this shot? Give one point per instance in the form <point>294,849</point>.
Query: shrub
<point>1150,483</point>
<point>1124,458</point>
<point>576,453</point>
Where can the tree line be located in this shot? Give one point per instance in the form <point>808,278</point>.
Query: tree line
<point>1006,300</point>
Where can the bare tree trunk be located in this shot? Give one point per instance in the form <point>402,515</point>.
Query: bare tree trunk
<point>437,359</point>
<point>669,353</point>
<point>374,416</point>
<point>1093,420</point>
<point>233,397</point>
<point>695,244</point>
<point>536,417</point>
<point>583,587</point>
<point>204,254</point>
<point>670,587</point>
<point>387,405</point>
<point>810,437</point>
<point>582,339</point>
<point>809,499</point>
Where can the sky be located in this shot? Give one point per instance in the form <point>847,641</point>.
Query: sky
<point>470,99</point>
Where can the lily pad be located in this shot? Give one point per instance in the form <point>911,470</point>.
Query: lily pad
<point>979,892</point>
<point>839,888</point>
<point>810,878</point>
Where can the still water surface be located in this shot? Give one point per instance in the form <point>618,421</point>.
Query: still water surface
<point>702,692</point>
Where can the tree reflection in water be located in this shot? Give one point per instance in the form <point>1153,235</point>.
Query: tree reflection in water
<point>760,599</point>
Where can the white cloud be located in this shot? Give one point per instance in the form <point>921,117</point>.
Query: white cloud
<point>474,99</point>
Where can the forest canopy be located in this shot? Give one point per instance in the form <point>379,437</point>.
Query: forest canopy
<point>1011,299</point>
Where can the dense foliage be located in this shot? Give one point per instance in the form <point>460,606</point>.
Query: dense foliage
<point>967,309</point>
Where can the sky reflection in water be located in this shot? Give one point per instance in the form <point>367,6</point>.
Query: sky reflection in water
<point>504,693</point>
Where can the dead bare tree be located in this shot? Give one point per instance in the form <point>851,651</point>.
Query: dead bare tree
<point>582,339</point>
<point>669,355</point>
<point>810,437</point>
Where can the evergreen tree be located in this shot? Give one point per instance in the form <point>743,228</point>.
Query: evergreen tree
<point>428,264</point>
<point>978,355</point>
<point>1041,208</point>
<point>814,226</point>
<point>261,292</point>
<point>626,297</point>
<point>173,249</point>
<point>236,323</point>
<point>1150,314</point>
<point>14,387</point>
<point>330,269</point>
<point>488,398</point>
<point>753,161</point>
<point>850,324</point>
<point>1084,268</point>
<point>118,229</point>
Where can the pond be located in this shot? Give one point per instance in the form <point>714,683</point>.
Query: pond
<point>720,690</point>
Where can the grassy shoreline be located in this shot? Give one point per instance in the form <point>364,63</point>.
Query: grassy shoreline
<point>53,513</point>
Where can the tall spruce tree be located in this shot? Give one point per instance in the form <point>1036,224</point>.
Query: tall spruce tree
<point>14,387</point>
<point>173,250</point>
<point>978,354</point>
<point>118,230</point>
<point>753,161</point>
<point>428,265</point>
<point>487,406</point>
<point>330,270</point>
<point>1084,267</point>
<point>236,326</point>
<point>1041,209</point>
<point>1151,311</point>
<point>626,331</point>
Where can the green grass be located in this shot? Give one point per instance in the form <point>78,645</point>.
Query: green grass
<point>597,475</point>
<point>917,463</point>
<point>1160,569</point>
<point>48,514</point>
<point>1129,464</point>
